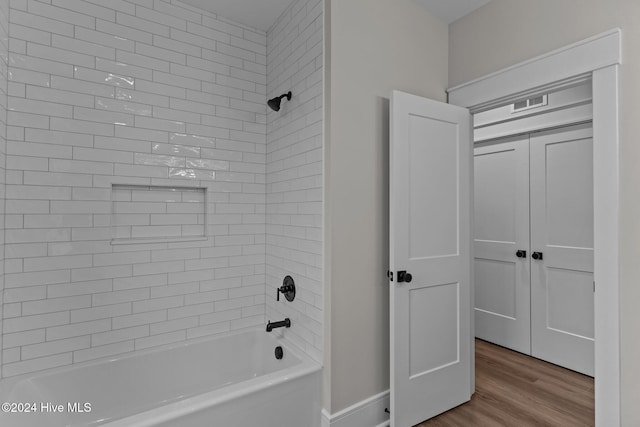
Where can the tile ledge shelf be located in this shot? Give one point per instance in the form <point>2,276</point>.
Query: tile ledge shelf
<point>157,240</point>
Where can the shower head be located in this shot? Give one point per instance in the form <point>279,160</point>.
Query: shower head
<point>274,103</point>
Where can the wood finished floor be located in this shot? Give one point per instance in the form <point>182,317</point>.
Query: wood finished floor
<point>515,390</point>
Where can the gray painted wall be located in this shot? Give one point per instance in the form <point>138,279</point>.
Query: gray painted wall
<point>376,47</point>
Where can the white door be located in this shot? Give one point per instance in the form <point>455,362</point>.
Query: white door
<point>562,233</point>
<point>501,246</point>
<point>430,220</point>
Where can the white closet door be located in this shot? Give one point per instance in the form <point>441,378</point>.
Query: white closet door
<point>502,279</point>
<point>562,231</point>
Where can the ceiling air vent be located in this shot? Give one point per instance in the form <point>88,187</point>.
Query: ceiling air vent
<point>527,104</point>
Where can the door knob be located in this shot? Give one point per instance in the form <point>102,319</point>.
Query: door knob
<point>403,276</point>
<point>521,253</point>
<point>537,256</point>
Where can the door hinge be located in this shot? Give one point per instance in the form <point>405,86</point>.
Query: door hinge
<point>594,286</point>
<point>390,275</point>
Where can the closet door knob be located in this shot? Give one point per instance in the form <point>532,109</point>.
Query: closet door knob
<point>521,253</point>
<point>537,256</point>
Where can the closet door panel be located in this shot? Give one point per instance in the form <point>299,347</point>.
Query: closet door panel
<point>562,230</point>
<point>501,279</point>
<point>570,289</point>
<point>568,186</point>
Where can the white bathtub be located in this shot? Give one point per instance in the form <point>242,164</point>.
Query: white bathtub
<point>228,381</point>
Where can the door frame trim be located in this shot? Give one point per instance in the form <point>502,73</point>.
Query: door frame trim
<point>598,57</point>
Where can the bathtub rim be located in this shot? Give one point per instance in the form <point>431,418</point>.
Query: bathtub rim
<point>7,384</point>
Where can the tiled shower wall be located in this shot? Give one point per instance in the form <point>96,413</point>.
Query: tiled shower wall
<point>294,172</point>
<point>146,93</point>
<point>4,51</point>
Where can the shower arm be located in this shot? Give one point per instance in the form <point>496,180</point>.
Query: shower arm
<point>285,95</point>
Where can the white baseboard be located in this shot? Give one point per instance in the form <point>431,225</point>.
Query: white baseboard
<point>325,419</point>
<point>367,413</point>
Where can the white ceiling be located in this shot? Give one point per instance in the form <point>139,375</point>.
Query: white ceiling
<point>261,14</point>
<point>451,10</point>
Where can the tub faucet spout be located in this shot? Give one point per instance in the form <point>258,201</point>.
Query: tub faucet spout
<point>286,323</point>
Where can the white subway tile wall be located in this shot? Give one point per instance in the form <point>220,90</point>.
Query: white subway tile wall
<point>4,52</point>
<point>145,93</point>
<point>294,172</point>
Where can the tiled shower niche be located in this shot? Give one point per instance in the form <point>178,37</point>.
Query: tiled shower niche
<point>147,213</point>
